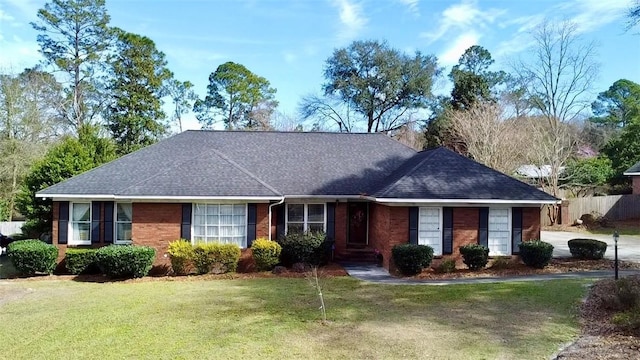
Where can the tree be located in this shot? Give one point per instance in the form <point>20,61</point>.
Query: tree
<point>242,99</point>
<point>329,109</point>
<point>624,151</point>
<point>472,80</point>
<point>74,38</point>
<point>71,156</point>
<point>472,83</point>
<point>558,76</point>
<point>617,106</point>
<point>135,117</point>
<point>489,137</point>
<point>28,123</point>
<point>379,84</point>
<point>183,96</point>
<point>583,176</point>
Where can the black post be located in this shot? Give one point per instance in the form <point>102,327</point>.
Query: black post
<point>615,244</point>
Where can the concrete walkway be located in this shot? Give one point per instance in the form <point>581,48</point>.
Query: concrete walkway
<point>628,245</point>
<point>373,273</point>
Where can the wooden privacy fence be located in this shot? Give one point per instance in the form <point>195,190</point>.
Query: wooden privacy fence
<point>612,207</point>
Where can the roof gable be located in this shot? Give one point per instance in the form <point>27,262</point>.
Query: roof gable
<point>445,175</point>
<point>634,170</point>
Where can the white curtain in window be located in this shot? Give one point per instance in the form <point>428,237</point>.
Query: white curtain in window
<point>222,223</point>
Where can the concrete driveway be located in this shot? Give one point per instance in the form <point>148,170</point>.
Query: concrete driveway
<point>628,246</point>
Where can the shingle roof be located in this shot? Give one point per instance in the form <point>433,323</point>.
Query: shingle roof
<point>244,163</point>
<point>443,174</point>
<point>635,169</point>
<point>273,164</point>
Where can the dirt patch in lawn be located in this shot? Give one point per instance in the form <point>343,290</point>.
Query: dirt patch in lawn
<point>513,268</point>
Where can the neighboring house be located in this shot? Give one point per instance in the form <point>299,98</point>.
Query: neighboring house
<point>634,172</point>
<point>366,191</point>
<point>533,174</point>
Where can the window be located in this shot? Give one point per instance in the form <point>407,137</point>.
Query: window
<point>430,228</point>
<point>124,215</point>
<point>222,223</point>
<point>499,241</point>
<point>80,224</point>
<point>305,217</point>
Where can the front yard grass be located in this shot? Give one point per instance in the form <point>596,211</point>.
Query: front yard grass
<point>278,318</point>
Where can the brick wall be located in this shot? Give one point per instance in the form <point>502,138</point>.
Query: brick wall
<point>388,226</point>
<point>530,223</point>
<point>635,182</point>
<point>465,230</point>
<point>155,225</point>
<point>262,225</point>
<point>342,226</point>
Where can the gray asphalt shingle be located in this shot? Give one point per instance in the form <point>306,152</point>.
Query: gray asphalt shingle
<point>443,174</point>
<point>272,164</point>
<point>634,169</point>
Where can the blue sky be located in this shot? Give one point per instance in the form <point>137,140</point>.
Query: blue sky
<point>288,42</point>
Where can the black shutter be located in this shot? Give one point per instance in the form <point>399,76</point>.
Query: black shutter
<point>252,218</point>
<point>185,225</point>
<point>95,221</point>
<point>108,221</point>
<point>280,221</point>
<point>413,225</point>
<point>447,231</point>
<point>331,221</point>
<point>516,229</point>
<point>63,222</point>
<point>483,227</point>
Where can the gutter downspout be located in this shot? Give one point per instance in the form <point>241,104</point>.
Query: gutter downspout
<point>270,217</point>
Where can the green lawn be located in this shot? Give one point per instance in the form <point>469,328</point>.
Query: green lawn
<point>279,318</point>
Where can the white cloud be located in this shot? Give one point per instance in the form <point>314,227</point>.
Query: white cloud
<point>463,16</point>
<point>451,55</point>
<point>352,20</point>
<point>592,14</point>
<point>412,6</point>
<point>18,54</point>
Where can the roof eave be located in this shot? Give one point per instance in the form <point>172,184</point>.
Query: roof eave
<point>62,197</point>
<point>467,201</point>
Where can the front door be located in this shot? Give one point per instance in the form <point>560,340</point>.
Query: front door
<point>358,223</point>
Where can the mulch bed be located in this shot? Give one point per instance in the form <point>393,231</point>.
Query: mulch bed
<point>600,339</point>
<point>557,266</point>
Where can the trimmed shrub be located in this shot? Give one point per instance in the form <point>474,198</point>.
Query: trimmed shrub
<point>125,261</point>
<point>81,261</point>
<point>536,254</point>
<point>410,259</point>
<point>266,253</point>
<point>475,256</point>
<point>32,256</point>
<point>308,248</point>
<point>589,249</point>
<point>181,255</point>
<point>219,258</point>
<point>446,266</point>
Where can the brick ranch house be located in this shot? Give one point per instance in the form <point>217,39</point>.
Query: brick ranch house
<point>634,172</point>
<point>366,191</point>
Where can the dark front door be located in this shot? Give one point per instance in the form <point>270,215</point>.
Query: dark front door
<point>358,221</point>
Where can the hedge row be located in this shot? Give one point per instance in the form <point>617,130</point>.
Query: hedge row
<point>118,261</point>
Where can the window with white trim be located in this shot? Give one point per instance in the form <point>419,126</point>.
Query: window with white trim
<point>499,239</point>
<point>80,223</point>
<point>220,223</point>
<point>305,217</point>
<point>430,228</point>
<point>124,217</point>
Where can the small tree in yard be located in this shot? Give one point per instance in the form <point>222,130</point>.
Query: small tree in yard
<point>314,280</point>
